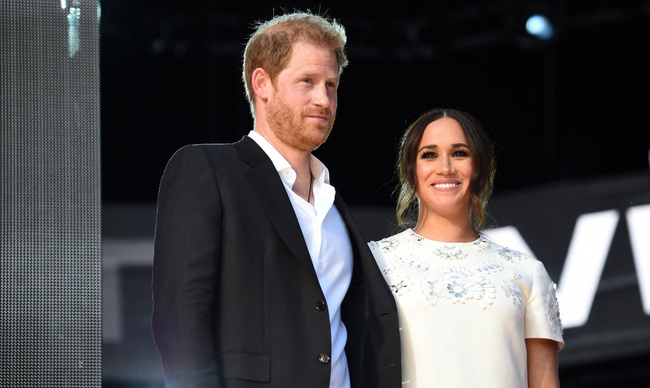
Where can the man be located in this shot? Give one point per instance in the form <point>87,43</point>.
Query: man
<point>261,277</point>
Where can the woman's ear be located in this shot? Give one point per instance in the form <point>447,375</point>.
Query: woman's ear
<point>261,82</point>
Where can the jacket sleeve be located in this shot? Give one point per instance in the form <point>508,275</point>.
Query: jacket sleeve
<point>186,258</point>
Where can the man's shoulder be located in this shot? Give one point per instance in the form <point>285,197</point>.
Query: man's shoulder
<point>210,150</point>
<point>245,150</point>
<point>206,147</point>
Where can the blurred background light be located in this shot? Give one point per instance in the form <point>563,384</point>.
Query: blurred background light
<point>540,27</point>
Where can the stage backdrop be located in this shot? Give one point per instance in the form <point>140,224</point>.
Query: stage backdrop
<point>50,226</point>
<point>594,238</point>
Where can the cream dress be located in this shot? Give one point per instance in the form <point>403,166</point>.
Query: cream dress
<point>465,310</point>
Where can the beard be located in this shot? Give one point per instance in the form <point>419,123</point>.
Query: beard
<point>291,127</point>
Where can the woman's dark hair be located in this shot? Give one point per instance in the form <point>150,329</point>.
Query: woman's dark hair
<point>482,151</point>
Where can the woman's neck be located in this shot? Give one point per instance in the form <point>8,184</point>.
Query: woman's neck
<point>445,229</point>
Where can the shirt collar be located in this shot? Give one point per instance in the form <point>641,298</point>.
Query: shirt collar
<point>318,169</point>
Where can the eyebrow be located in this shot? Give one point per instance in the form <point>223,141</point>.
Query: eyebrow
<point>435,146</point>
<point>311,73</point>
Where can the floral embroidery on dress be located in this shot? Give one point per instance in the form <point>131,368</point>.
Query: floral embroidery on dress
<point>397,283</point>
<point>450,253</point>
<point>414,262</point>
<point>397,287</point>
<point>459,286</point>
<point>483,244</point>
<point>553,308</point>
<point>516,275</point>
<point>428,288</point>
<point>388,244</point>
<point>413,237</point>
<point>513,292</point>
<point>489,267</point>
<point>508,254</point>
<point>454,272</point>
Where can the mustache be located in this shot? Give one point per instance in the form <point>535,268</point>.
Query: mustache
<point>319,112</point>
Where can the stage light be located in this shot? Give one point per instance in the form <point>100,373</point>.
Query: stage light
<point>540,27</point>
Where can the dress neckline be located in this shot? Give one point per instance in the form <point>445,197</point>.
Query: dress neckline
<point>480,236</point>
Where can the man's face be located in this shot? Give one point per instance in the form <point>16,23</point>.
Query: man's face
<point>302,107</point>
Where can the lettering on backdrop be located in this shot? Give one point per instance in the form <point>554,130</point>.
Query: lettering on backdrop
<point>588,251</point>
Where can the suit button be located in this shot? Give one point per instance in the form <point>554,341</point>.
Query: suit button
<point>324,358</point>
<point>320,305</point>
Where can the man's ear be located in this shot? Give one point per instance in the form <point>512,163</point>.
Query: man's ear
<point>261,82</point>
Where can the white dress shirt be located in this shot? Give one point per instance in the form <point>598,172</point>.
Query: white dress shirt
<point>328,244</point>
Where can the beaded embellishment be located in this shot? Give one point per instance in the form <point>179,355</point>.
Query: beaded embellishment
<point>553,308</point>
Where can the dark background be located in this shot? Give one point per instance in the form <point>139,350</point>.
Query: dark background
<point>570,108</point>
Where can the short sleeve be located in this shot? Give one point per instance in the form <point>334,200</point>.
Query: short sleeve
<point>542,319</point>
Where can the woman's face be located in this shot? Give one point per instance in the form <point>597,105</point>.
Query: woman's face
<point>444,170</point>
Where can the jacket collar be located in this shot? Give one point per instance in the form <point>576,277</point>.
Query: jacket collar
<point>270,190</point>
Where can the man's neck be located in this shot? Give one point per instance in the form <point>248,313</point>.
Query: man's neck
<point>299,160</point>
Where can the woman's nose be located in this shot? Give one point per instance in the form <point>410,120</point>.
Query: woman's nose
<point>446,165</point>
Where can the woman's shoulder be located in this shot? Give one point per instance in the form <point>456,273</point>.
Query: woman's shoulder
<point>390,243</point>
<point>509,257</point>
<point>486,242</point>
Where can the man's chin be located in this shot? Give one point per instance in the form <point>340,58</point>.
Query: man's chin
<point>310,143</point>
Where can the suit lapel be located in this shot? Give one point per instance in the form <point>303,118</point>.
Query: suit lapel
<point>269,187</point>
<point>356,239</point>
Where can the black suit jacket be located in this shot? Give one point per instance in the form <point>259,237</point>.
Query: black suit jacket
<point>236,299</point>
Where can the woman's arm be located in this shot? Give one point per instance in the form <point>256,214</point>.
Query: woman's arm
<point>542,363</point>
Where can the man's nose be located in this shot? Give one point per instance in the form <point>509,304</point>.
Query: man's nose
<point>321,96</point>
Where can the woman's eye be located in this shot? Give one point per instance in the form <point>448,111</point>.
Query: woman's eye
<point>461,153</point>
<point>428,155</point>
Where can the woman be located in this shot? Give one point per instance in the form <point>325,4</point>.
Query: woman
<point>472,313</point>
